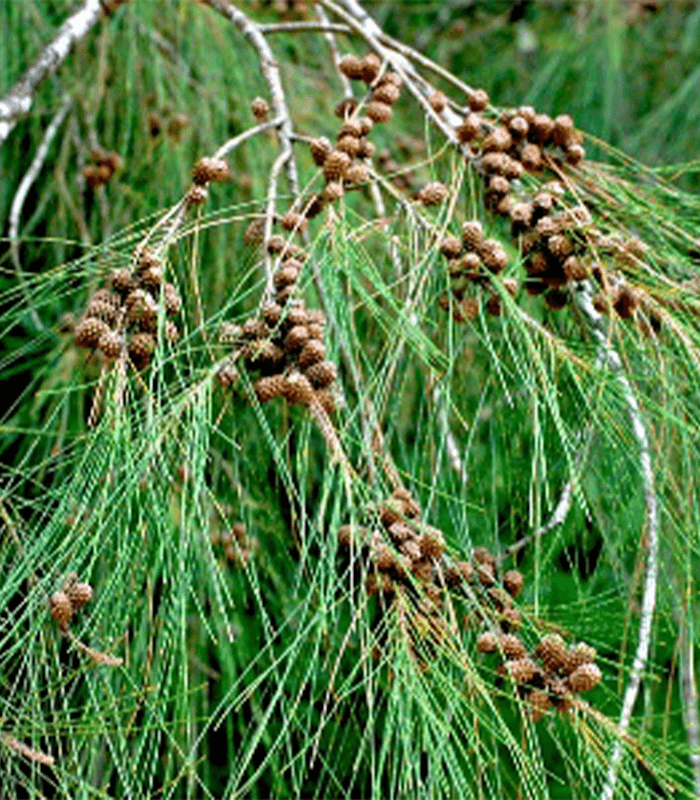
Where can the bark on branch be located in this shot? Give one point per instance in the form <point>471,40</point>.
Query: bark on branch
<point>17,102</point>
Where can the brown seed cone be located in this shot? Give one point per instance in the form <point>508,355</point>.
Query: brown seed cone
<point>95,176</point>
<point>210,169</point>
<point>472,235</point>
<point>350,535</point>
<point>487,642</point>
<point>260,109</point>
<point>410,549</point>
<point>466,309</point>
<point>512,169</point>
<point>548,226</point>
<point>499,185</point>
<point>296,338</point>
<point>531,157</point>
<point>400,532</point>
<point>326,400</point>
<point>254,328</point>
<point>296,315</point>
<point>345,108</point>
<point>451,247</point>
<point>499,597</point>
<point>61,609</point>
<point>366,149</point>
<point>438,102</point>
<point>432,544</point>
<point>478,100</point>
<point>173,302</point>
<point>151,278</point>
<point>88,331</point>
<point>521,215</point>
<point>336,165</point>
<point>482,556</point>
<point>357,173</point>
<point>383,558</point>
<point>470,128</point>
<point>122,281</point>
<point>552,652</point>
<point>496,163</point>
<point>541,129</point>
<point>393,78</point>
<point>485,573</point>
<point>351,66</point>
<point>511,646</point>
<point>466,569</point>
<point>626,302</point>
<point>291,221</point>
<point>349,145</point>
<point>582,653</point>
<point>275,244</point>
<point>298,389</point>
<point>227,374</point>
<point>556,299</point>
<point>539,704</point>
<point>287,276</point>
<point>563,132</point>
<point>584,678</point>
<point>378,112</point>
<point>370,66</point>
<point>511,286</point>
<point>560,246</point>
<point>315,331</point>
<point>432,194</point>
<point>409,506</point>
<point>333,191</point>
<point>269,387</point>
<point>574,270</point>
<point>510,620</point>
<point>366,125</point>
<point>320,148</point>
<point>141,348</point>
<point>98,309</point>
<point>575,154</point>
<point>197,195</point>
<point>521,670</point>
<point>494,305</point>
<point>494,256</point>
<point>105,296</point>
<point>498,140</point>
<point>172,334</point>
<point>527,113</point>
<point>261,352</point>
<point>390,513</point>
<point>312,352</point>
<point>272,313</point>
<point>385,93</point>
<point>79,594</point>
<point>111,344</point>
<point>322,374</point>
<point>513,582</point>
<point>518,127</point>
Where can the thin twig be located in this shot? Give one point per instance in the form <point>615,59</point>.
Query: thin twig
<point>333,50</point>
<point>302,27</point>
<point>21,195</point>
<point>270,72</point>
<point>583,295</point>
<point>26,751</point>
<point>18,100</point>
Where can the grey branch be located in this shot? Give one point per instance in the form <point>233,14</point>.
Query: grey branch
<point>609,357</point>
<point>18,100</point>
<point>21,195</point>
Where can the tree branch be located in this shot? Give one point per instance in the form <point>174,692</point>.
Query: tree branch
<point>583,296</point>
<point>18,100</point>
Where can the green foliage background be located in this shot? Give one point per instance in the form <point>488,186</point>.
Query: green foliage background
<point>258,680</point>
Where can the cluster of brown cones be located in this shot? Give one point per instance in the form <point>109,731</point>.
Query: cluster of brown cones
<point>284,344</point>
<point>72,597</point>
<point>125,320</point>
<point>237,545</point>
<point>107,162</point>
<point>472,261</point>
